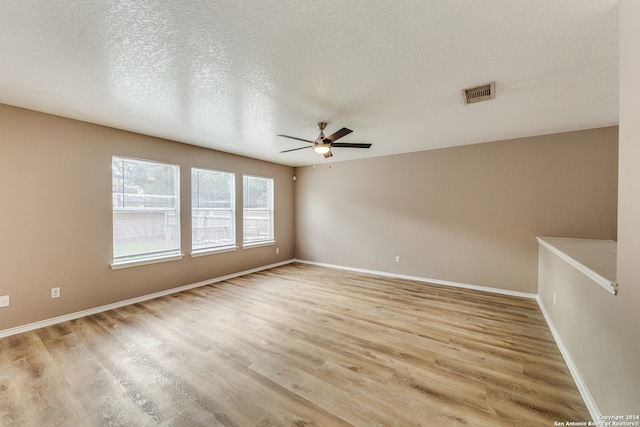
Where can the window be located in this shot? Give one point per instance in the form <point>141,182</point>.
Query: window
<point>146,210</point>
<point>257,209</point>
<point>212,210</point>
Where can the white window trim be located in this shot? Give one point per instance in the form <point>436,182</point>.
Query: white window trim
<point>212,251</point>
<point>220,248</point>
<point>259,244</point>
<point>175,254</point>
<point>144,261</point>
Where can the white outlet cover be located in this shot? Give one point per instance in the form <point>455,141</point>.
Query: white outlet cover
<point>4,301</point>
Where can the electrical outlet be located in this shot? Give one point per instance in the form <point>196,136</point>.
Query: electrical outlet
<point>55,292</point>
<point>397,258</point>
<point>277,250</point>
<point>554,298</point>
<point>4,301</point>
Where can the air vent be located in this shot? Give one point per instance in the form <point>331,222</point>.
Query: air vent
<point>483,92</point>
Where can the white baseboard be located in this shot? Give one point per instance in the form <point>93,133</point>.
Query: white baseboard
<point>424,279</point>
<point>89,312</point>
<point>582,387</point>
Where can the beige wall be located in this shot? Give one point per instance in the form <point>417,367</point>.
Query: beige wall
<point>596,330</point>
<point>618,382</point>
<point>602,331</point>
<point>55,220</point>
<point>466,214</point>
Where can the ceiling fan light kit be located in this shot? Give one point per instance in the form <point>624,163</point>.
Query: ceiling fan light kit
<point>321,148</point>
<point>323,145</point>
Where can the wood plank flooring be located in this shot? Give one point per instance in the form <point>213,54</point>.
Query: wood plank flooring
<point>297,345</point>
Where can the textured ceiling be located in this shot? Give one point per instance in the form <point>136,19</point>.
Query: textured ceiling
<point>230,75</point>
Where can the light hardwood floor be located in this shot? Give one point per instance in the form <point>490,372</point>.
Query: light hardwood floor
<point>297,345</point>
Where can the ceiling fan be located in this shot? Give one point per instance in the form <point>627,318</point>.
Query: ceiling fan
<point>323,145</point>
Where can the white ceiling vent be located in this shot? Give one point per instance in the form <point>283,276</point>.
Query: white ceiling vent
<point>483,92</point>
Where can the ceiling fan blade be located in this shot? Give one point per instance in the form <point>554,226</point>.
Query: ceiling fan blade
<point>298,139</point>
<point>328,154</point>
<point>350,145</point>
<point>294,149</point>
<point>337,135</point>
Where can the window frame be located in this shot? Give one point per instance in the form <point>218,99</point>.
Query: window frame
<point>220,247</point>
<point>271,239</point>
<point>148,257</point>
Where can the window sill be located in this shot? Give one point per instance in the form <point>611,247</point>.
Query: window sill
<point>211,251</point>
<point>258,244</point>
<point>135,263</point>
